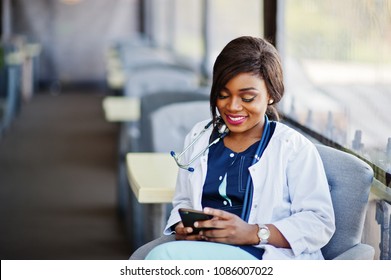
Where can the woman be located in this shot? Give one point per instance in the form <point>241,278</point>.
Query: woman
<point>263,182</point>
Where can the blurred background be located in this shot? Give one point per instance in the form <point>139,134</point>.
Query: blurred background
<point>62,181</point>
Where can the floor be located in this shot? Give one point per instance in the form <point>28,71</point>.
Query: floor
<point>58,181</point>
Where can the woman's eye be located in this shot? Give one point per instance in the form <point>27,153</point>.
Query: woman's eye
<point>223,96</point>
<point>248,99</point>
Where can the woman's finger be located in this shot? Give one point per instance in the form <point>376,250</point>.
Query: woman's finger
<point>221,214</point>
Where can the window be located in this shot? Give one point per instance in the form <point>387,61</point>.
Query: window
<point>178,25</point>
<point>337,61</point>
<point>188,29</point>
<point>229,19</point>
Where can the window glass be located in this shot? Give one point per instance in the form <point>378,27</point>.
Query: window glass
<point>159,15</point>
<point>337,62</point>
<point>229,19</point>
<point>226,20</point>
<point>188,29</point>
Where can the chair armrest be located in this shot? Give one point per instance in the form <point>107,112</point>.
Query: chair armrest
<point>358,252</point>
<point>143,251</point>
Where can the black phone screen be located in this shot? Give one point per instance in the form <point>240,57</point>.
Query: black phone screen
<point>190,216</point>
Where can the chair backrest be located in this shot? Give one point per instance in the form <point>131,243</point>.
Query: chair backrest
<point>171,123</point>
<point>134,57</point>
<point>149,79</point>
<point>349,180</point>
<point>152,102</point>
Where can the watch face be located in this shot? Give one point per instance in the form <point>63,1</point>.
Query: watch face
<point>264,234</point>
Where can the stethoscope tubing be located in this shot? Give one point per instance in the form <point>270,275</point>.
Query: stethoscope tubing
<point>249,189</point>
<point>187,165</point>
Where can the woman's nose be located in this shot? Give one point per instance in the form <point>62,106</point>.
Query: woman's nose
<point>235,104</point>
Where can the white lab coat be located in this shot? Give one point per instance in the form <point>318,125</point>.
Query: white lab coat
<point>290,191</point>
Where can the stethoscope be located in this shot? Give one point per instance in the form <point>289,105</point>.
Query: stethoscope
<point>223,131</point>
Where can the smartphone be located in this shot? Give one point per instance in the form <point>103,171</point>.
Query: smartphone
<point>190,216</point>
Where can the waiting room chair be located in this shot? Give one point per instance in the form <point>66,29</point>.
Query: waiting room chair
<point>169,125</point>
<point>349,180</point>
<point>148,79</point>
<point>170,118</point>
<point>160,77</point>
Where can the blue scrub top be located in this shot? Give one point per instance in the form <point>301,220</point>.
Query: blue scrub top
<point>226,180</point>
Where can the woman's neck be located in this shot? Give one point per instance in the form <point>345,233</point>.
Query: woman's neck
<point>239,142</point>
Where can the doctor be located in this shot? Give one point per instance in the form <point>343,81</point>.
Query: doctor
<point>263,183</point>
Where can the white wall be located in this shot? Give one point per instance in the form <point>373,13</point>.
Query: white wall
<point>74,37</point>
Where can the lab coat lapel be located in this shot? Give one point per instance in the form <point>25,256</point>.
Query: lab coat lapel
<point>264,194</point>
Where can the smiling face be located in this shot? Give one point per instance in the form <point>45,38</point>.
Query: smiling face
<point>260,60</point>
<point>242,104</point>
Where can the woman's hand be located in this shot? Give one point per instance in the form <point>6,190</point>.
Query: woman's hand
<point>185,233</point>
<point>227,228</point>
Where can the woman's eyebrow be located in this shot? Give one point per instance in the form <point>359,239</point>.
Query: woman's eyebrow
<point>225,90</point>
<point>241,90</point>
<point>248,89</point>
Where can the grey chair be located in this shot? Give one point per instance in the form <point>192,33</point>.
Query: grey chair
<point>9,94</point>
<point>147,79</point>
<point>138,216</point>
<point>170,124</point>
<point>133,57</point>
<point>350,180</point>
<point>153,102</point>
<point>151,78</point>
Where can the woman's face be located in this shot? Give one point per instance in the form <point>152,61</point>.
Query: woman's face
<point>242,104</point>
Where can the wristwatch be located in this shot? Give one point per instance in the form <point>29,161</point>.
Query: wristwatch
<point>263,234</point>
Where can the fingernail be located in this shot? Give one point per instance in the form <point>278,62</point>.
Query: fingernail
<point>196,224</point>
